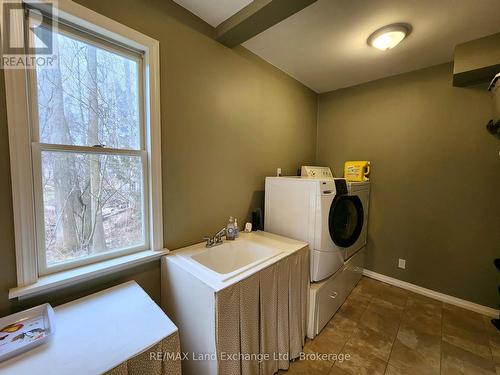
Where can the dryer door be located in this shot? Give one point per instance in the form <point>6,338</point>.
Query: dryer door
<point>345,220</point>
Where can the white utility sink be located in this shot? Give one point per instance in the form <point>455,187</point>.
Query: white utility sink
<point>233,257</point>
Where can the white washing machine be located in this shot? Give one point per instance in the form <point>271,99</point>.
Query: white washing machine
<point>322,212</point>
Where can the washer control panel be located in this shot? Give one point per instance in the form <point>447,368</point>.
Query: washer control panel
<point>316,172</point>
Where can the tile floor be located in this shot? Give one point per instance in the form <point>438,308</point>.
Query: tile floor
<point>387,330</point>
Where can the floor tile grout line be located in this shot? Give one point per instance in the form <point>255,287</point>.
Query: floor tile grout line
<point>399,326</point>
<point>484,330</point>
<point>357,321</point>
<point>370,297</point>
<point>396,337</point>
<point>348,336</point>
<point>483,327</point>
<point>378,296</point>
<point>330,368</point>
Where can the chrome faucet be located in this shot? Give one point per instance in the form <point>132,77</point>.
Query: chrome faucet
<point>216,239</point>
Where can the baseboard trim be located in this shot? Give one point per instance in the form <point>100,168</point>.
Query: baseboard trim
<point>485,310</point>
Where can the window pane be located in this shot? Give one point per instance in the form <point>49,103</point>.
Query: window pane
<point>90,98</point>
<point>92,204</point>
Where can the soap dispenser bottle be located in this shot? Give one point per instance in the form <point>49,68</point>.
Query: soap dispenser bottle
<point>236,229</point>
<point>230,230</point>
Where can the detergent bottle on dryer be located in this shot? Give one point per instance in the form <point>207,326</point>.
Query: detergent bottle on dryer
<point>357,171</point>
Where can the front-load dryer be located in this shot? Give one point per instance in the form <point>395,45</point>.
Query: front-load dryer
<point>305,209</point>
<point>356,217</point>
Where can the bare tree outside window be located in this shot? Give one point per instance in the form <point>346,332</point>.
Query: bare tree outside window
<point>93,201</point>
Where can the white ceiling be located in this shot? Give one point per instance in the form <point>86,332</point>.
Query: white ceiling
<point>213,12</point>
<point>324,45</point>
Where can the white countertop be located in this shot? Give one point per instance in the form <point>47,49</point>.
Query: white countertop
<point>96,333</point>
<point>287,245</point>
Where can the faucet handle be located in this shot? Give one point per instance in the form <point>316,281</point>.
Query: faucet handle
<point>209,240</point>
<point>218,236</point>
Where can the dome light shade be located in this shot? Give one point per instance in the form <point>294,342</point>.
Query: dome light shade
<point>389,36</point>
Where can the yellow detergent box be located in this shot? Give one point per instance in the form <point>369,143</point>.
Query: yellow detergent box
<point>357,170</point>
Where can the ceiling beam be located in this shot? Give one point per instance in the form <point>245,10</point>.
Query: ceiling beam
<point>256,17</point>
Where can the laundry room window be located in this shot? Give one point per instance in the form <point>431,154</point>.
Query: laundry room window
<point>92,130</point>
<point>88,152</point>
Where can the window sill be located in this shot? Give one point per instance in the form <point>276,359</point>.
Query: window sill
<point>46,284</point>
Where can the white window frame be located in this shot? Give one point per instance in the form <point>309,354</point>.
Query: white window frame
<point>24,186</point>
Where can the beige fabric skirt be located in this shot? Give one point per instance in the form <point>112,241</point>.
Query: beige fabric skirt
<point>261,321</point>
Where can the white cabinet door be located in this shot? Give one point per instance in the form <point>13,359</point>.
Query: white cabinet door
<point>331,296</point>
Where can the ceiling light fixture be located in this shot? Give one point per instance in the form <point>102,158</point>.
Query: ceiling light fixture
<point>389,36</point>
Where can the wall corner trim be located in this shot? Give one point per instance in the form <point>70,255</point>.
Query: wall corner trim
<point>485,310</point>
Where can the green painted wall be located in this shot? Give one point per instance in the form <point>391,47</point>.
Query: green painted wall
<point>435,182</point>
<point>228,120</point>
